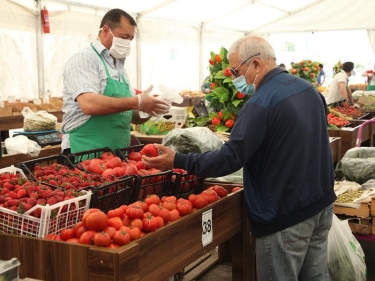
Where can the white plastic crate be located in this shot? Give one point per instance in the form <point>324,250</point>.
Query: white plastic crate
<point>9,270</point>
<point>12,170</point>
<point>53,219</point>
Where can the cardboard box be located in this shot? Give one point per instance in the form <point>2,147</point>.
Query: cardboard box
<point>5,111</point>
<point>175,118</point>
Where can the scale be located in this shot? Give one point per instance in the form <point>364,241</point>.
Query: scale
<point>42,137</point>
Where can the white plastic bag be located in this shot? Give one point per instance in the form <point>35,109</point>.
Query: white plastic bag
<point>22,145</point>
<point>38,121</point>
<point>346,259</point>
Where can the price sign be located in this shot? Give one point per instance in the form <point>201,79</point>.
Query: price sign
<point>207,227</point>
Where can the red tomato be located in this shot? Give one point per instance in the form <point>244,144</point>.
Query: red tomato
<point>97,167</point>
<point>172,198</point>
<point>67,233</point>
<point>236,188</point>
<point>142,204</point>
<point>116,222</point>
<point>221,191</point>
<point>119,171</point>
<point>154,209</point>
<point>210,194</point>
<point>192,197</point>
<point>80,230</point>
<point>134,211</point>
<point>174,215</point>
<point>87,237</point>
<point>73,240</point>
<point>184,208</point>
<point>218,58</point>
<point>136,156</point>
<point>227,72</point>
<point>137,223</point>
<point>215,121</point>
<point>114,162</point>
<point>164,213</point>
<point>149,150</point>
<point>110,231</point>
<point>150,223</point>
<point>240,95</point>
<point>109,173</point>
<point>107,155</point>
<point>87,213</point>
<point>160,221</point>
<point>131,169</point>
<point>102,239</point>
<point>152,198</point>
<point>169,205</point>
<point>113,246</point>
<point>200,201</point>
<point>121,237</point>
<point>118,212</point>
<point>97,221</point>
<point>134,232</point>
<point>229,123</point>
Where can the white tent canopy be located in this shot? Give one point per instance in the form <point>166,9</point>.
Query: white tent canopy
<point>174,37</point>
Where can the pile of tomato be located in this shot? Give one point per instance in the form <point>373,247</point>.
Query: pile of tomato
<point>336,120</point>
<point>129,222</point>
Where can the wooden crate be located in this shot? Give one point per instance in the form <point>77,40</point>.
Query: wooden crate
<point>335,149</point>
<point>362,212</point>
<point>349,135</point>
<point>373,207</point>
<point>361,226</point>
<point>156,256</point>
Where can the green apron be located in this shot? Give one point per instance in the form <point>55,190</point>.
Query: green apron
<point>112,130</point>
<point>371,84</point>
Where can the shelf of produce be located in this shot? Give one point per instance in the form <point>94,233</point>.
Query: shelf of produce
<point>156,256</point>
<point>349,135</point>
<point>14,122</point>
<point>335,149</point>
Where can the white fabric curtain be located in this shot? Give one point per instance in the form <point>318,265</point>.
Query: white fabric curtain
<point>371,37</point>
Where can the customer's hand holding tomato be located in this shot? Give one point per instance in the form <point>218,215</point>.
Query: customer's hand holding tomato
<point>165,161</point>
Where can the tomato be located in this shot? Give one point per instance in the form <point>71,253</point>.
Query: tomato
<point>140,165</point>
<point>215,121</point>
<point>80,230</point>
<point>213,86</point>
<point>50,237</point>
<point>137,223</point>
<point>134,232</point>
<point>192,197</point>
<point>134,211</point>
<point>113,246</point>
<point>67,233</point>
<point>169,205</point>
<point>107,155</point>
<point>87,213</point>
<point>87,237</point>
<point>220,191</point>
<point>164,213</point>
<point>149,150</point>
<point>236,188</point>
<point>72,240</point>
<point>294,71</point>
<point>150,223</point>
<point>118,212</point>
<point>240,95</point>
<point>110,231</point>
<point>305,68</point>
<point>160,221</point>
<point>229,123</point>
<point>97,221</point>
<point>212,62</point>
<point>131,169</point>
<point>174,215</point>
<point>115,222</point>
<point>171,197</point>
<point>154,209</point>
<point>152,199</point>
<point>119,171</point>
<point>227,72</point>
<point>210,194</point>
<point>184,208</point>
<point>102,239</point>
<point>142,204</point>
<point>312,75</point>
<point>110,173</point>
<point>136,156</point>
<point>114,162</point>
<point>218,58</point>
<point>121,237</point>
<point>200,201</point>
<point>97,167</point>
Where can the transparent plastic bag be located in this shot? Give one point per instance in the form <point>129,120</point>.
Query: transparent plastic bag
<point>22,145</point>
<point>346,259</point>
<point>194,140</point>
<point>38,121</point>
<point>358,164</point>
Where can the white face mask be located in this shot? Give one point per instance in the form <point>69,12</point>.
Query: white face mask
<point>120,48</point>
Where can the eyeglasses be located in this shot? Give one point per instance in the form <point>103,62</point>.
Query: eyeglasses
<point>235,72</point>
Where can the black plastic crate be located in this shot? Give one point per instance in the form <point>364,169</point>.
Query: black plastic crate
<point>112,196</point>
<point>29,166</point>
<point>124,152</point>
<point>158,183</point>
<point>185,184</point>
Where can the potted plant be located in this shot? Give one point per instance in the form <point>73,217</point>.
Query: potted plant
<point>306,69</point>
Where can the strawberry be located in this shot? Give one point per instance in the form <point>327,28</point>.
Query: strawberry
<point>21,193</point>
<point>52,201</point>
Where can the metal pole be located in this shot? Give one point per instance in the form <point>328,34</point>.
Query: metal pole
<point>39,48</point>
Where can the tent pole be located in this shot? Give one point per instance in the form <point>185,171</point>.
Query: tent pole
<point>201,37</point>
<point>39,48</point>
<point>139,48</point>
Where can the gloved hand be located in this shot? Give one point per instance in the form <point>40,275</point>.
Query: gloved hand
<point>151,105</point>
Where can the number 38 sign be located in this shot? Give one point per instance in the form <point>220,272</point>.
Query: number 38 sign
<point>207,227</point>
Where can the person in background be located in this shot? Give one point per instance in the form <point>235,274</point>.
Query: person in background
<point>282,65</point>
<point>322,75</point>
<point>280,140</point>
<point>205,88</point>
<point>370,74</point>
<point>338,89</point>
<point>99,105</point>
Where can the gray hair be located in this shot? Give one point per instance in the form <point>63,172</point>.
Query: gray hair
<point>248,46</point>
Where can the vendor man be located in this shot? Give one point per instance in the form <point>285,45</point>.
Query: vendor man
<point>339,90</point>
<point>99,105</point>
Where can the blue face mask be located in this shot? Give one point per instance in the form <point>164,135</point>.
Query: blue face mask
<point>242,86</point>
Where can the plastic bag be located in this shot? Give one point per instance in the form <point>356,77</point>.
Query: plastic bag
<point>358,164</point>
<point>38,121</point>
<point>346,259</point>
<point>22,145</point>
<point>194,140</point>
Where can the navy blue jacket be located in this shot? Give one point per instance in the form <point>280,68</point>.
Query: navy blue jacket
<point>280,139</point>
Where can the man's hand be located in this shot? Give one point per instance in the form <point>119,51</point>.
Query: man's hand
<point>165,161</point>
<point>151,105</point>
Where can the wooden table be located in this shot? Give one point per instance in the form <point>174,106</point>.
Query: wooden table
<point>156,256</point>
<point>14,122</point>
<point>335,149</point>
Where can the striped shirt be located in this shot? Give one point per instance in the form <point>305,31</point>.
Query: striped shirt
<point>84,72</point>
